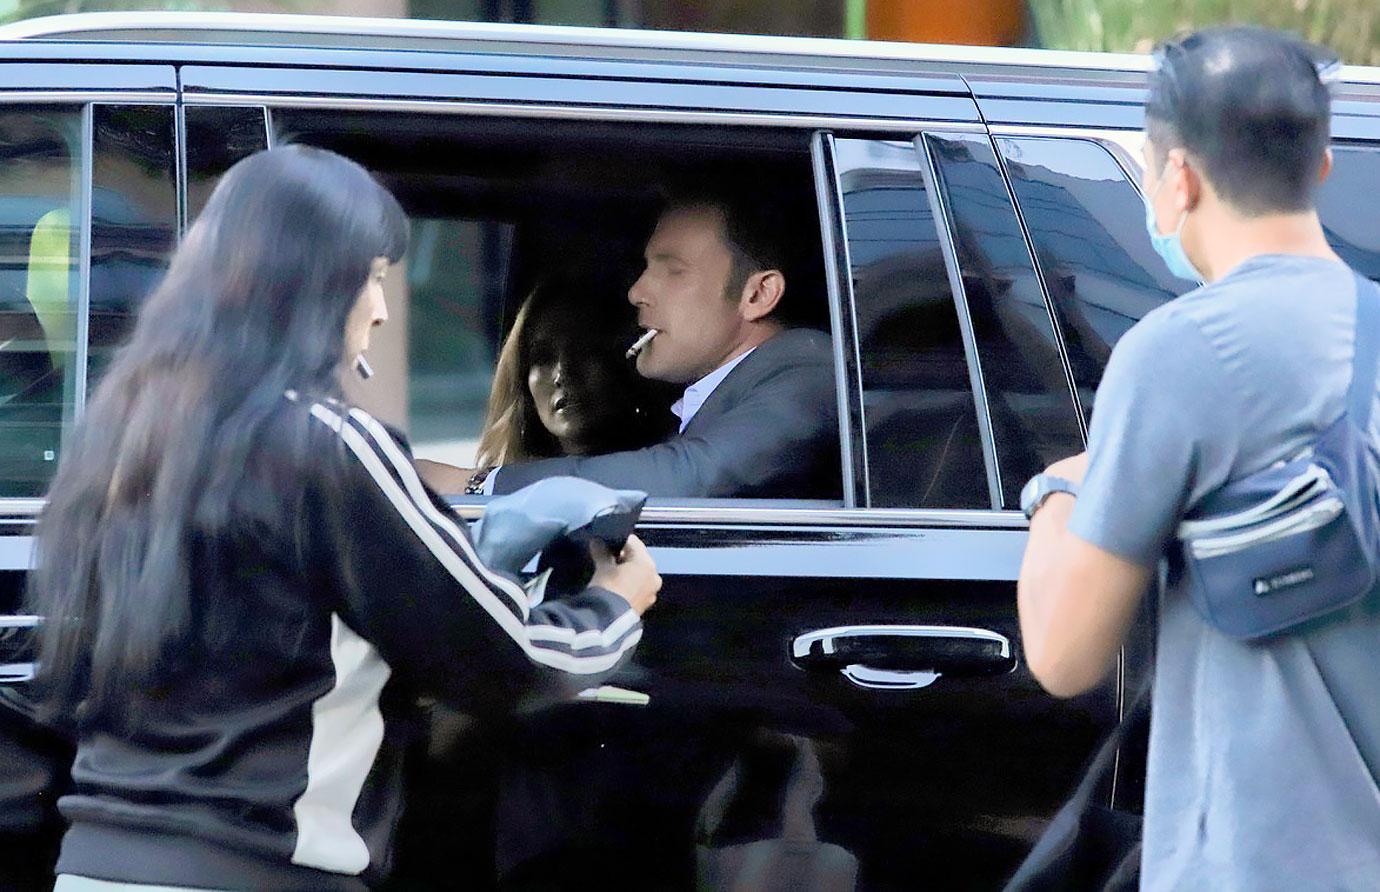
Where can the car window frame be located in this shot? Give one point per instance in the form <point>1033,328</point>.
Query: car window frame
<point>726,512</point>
<point>840,309</point>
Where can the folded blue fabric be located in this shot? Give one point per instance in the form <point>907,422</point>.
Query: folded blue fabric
<point>517,527</point>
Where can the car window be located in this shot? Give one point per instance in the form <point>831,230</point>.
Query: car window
<point>1346,205</point>
<point>217,137</point>
<point>40,202</point>
<point>133,219</point>
<point>924,448</point>
<point>505,210</point>
<point>1087,223</point>
<point>1034,421</point>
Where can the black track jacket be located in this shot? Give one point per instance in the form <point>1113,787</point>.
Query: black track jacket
<point>271,759</point>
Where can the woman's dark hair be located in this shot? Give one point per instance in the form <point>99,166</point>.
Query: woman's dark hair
<point>1249,104</point>
<point>513,431</point>
<point>254,304</point>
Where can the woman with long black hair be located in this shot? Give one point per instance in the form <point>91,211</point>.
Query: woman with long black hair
<point>245,583</point>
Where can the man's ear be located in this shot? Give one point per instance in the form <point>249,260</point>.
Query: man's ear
<point>761,293</point>
<point>1326,169</point>
<point>1189,184</point>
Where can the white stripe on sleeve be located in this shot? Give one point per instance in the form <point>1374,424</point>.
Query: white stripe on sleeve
<point>460,570</point>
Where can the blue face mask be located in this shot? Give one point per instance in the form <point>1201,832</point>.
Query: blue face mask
<point>1170,247</point>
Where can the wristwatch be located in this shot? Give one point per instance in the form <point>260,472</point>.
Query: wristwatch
<point>1041,487</point>
<point>475,485</point>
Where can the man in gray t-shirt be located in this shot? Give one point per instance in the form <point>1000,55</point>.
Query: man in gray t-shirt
<point>1263,757</point>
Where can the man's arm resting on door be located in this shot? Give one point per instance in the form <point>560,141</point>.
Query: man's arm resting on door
<point>1076,600</point>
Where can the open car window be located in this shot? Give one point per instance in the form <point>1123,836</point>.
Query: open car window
<point>502,209</point>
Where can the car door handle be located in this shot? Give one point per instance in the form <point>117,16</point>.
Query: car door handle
<point>17,673</point>
<point>902,657</point>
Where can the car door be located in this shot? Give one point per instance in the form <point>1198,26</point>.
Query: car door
<point>845,671</point>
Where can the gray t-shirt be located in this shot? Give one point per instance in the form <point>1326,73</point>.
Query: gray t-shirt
<point>1263,757</point>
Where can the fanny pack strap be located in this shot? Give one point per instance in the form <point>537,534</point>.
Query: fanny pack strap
<point>1365,366</point>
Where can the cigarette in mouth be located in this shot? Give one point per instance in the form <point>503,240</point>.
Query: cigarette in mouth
<point>641,342</point>
<point>362,366</point>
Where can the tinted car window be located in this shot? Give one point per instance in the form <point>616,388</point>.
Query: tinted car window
<point>924,448</point>
<point>1087,223</point>
<point>216,138</point>
<point>133,219</point>
<point>1346,203</point>
<point>434,360</point>
<point>1031,405</point>
<point>40,200</point>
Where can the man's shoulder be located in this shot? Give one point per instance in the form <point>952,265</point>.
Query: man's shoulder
<point>1162,332</point>
<point>795,359</point>
<point>795,346</point>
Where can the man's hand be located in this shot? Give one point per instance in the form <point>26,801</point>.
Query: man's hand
<point>445,479</point>
<point>631,575</point>
<point>1076,600</point>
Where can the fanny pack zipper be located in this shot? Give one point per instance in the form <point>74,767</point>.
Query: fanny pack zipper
<point>1304,488</point>
<point>1309,518</point>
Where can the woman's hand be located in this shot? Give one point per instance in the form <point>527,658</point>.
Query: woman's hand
<point>631,575</point>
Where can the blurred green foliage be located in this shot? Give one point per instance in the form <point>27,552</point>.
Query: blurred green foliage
<point>1350,27</point>
<point>14,10</point>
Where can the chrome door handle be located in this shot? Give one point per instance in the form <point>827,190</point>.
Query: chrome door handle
<point>903,657</point>
<point>17,673</point>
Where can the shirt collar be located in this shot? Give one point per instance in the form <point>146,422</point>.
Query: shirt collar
<point>690,402</point>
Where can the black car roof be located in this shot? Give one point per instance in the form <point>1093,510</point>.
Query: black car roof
<point>1012,85</point>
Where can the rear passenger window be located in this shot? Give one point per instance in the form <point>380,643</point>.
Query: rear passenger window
<point>1027,389</point>
<point>1087,223</point>
<point>40,210</point>
<point>924,447</point>
<point>1347,206</point>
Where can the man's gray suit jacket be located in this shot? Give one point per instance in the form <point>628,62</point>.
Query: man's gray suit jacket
<point>769,430</point>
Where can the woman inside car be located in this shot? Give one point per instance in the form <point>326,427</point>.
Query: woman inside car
<point>246,586</point>
<point>563,386</point>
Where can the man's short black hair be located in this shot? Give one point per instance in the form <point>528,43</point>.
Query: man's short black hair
<point>753,229</point>
<point>1250,105</point>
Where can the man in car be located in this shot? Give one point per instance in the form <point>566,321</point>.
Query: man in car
<point>1263,754</point>
<point>758,416</point>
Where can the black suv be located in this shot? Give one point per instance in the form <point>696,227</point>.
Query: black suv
<point>844,671</point>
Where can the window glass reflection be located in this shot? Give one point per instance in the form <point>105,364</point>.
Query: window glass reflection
<point>217,137</point>
<point>1087,223</point>
<point>924,447</point>
<point>133,220</point>
<point>1346,204</point>
<point>1033,418</point>
<point>40,206</point>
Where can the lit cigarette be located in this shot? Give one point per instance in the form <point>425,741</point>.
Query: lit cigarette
<point>362,366</point>
<point>641,342</point>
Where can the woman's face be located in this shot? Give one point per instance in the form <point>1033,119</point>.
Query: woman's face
<point>570,374</point>
<point>369,310</point>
